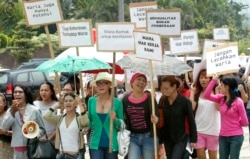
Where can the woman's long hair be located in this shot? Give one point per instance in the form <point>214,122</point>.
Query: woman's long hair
<point>51,87</point>
<point>231,82</point>
<point>27,92</point>
<point>198,86</point>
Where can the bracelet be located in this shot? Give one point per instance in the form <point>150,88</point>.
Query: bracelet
<point>51,109</point>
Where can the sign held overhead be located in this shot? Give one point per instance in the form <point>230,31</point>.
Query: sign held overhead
<point>148,46</point>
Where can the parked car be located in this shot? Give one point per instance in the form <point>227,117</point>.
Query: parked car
<point>32,63</point>
<point>28,77</point>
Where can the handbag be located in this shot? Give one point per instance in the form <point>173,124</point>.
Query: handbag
<point>123,138</point>
<point>37,149</point>
<point>67,156</point>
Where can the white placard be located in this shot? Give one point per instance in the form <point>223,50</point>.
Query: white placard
<point>75,33</point>
<point>186,44</point>
<point>221,34</point>
<point>164,22</point>
<point>138,12</point>
<point>42,12</point>
<point>115,37</point>
<point>222,59</point>
<point>210,44</point>
<point>148,46</point>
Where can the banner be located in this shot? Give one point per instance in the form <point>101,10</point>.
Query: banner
<point>138,12</point>
<point>210,44</point>
<point>164,22</point>
<point>75,33</point>
<point>42,12</point>
<point>222,59</point>
<point>148,46</point>
<point>115,37</point>
<point>221,34</point>
<point>188,43</point>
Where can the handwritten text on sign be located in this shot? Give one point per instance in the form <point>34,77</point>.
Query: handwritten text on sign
<point>164,22</point>
<point>138,12</point>
<point>222,59</point>
<point>42,12</point>
<point>115,36</point>
<point>75,33</point>
<point>210,44</point>
<point>148,46</point>
<point>187,43</point>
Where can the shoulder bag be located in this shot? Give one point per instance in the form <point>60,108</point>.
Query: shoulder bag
<point>37,149</point>
<point>123,137</point>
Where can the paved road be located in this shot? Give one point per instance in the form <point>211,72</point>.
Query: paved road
<point>244,154</point>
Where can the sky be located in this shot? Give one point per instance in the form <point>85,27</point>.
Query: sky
<point>245,11</point>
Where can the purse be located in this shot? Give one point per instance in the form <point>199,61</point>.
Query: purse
<point>67,156</point>
<point>123,138</point>
<point>37,149</point>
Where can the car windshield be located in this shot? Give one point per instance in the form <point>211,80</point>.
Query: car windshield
<point>3,77</point>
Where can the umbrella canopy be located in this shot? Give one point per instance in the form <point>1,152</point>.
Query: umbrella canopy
<point>169,66</point>
<point>72,64</point>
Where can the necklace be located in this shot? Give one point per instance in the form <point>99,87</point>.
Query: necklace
<point>102,104</point>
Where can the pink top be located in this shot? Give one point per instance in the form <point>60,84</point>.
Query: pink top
<point>233,119</point>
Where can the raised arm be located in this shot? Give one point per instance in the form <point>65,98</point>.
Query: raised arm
<point>208,92</point>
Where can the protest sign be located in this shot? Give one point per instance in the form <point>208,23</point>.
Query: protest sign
<point>222,59</point>
<point>187,43</point>
<point>138,12</point>
<point>148,45</point>
<point>208,43</point>
<point>75,33</point>
<point>42,12</point>
<point>165,22</point>
<point>221,34</point>
<point>115,37</point>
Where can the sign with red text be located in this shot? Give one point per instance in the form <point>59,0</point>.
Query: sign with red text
<point>208,43</point>
<point>115,37</point>
<point>187,43</point>
<point>222,59</point>
<point>75,33</point>
<point>221,34</point>
<point>138,12</point>
<point>148,46</point>
<point>164,22</point>
<point>42,12</point>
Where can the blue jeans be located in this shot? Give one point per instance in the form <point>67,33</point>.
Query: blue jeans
<point>141,145</point>
<point>77,156</point>
<point>103,153</point>
<point>230,146</point>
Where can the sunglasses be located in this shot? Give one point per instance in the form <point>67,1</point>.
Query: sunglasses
<point>102,83</point>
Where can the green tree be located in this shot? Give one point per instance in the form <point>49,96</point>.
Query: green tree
<point>23,47</point>
<point>11,13</point>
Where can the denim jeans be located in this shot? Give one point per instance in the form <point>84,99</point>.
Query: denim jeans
<point>230,146</point>
<point>141,145</point>
<point>103,153</point>
<point>175,150</point>
<point>77,156</point>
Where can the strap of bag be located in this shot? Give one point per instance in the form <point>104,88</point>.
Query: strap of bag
<point>60,132</point>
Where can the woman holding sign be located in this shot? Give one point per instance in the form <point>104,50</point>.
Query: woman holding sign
<point>233,116</point>
<point>137,108</point>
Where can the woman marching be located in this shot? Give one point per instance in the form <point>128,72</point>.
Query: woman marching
<point>69,140</point>
<point>233,116</point>
<point>22,111</point>
<point>139,119</point>
<point>207,118</point>
<point>100,112</point>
